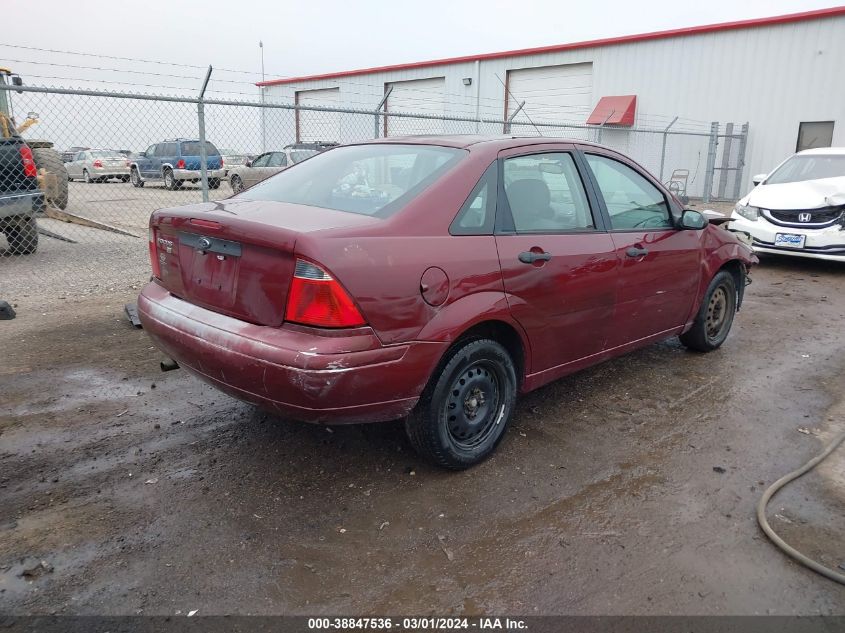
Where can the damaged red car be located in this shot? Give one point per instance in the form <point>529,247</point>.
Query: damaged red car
<point>433,279</point>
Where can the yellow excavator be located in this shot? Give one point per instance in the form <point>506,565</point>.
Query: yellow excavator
<point>52,175</point>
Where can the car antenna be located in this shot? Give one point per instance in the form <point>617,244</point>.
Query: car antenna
<point>539,133</point>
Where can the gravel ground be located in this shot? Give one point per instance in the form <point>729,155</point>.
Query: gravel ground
<point>628,488</point>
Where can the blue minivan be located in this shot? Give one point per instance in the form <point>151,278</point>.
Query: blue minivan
<point>176,161</point>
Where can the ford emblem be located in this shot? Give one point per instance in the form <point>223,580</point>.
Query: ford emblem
<point>204,244</point>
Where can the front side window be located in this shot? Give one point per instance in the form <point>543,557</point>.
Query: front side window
<point>151,150</point>
<point>278,159</point>
<point>545,194</point>
<point>376,179</point>
<point>809,167</point>
<point>632,201</point>
<point>261,161</point>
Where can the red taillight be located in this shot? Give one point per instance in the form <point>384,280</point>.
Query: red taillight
<point>98,163</point>
<point>221,161</point>
<point>180,164</point>
<point>315,298</point>
<point>29,169</point>
<point>154,255</point>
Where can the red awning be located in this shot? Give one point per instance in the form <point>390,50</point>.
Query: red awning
<point>614,111</point>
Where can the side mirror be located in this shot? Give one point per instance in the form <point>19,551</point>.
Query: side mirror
<point>248,163</point>
<point>692,220</point>
<point>758,179</point>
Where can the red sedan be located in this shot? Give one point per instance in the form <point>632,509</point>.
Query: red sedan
<point>433,279</point>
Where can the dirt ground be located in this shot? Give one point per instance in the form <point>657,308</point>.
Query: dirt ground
<point>629,488</point>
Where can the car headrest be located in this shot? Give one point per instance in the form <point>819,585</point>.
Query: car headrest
<point>530,196</point>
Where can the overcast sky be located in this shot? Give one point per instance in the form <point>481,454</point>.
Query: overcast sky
<point>316,36</point>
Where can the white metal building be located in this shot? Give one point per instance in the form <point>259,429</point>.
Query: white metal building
<point>783,75</point>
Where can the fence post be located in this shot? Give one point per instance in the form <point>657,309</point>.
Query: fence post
<point>740,161</point>
<point>726,160</point>
<point>711,161</point>
<point>378,109</point>
<point>201,122</point>
<point>512,117</point>
<point>663,149</point>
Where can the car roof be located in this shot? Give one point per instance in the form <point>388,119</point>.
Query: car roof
<point>463,141</point>
<point>823,151</point>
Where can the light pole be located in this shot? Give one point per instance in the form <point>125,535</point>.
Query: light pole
<point>263,110</point>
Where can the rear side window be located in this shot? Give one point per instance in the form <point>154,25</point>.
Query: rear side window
<point>478,213</point>
<point>545,194</point>
<point>193,148</point>
<point>377,179</point>
<point>631,200</point>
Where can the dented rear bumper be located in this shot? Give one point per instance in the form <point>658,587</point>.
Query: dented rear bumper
<point>303,373</point>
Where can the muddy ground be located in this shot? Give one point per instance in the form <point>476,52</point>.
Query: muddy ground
<point>627,489</point>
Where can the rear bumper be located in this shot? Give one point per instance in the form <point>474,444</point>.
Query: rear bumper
<point>290,370</point>
<point>110,172</point>
<point>195,174</point>
<point>25,203</point>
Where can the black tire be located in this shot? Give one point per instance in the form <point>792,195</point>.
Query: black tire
<point>135,177</point>
<point>715,316</point>
<point>170,181</point>
<point>465,409</point>
<point>50,160</point>
<point>124,179</point>
<point>214,183</point>
<point>236,183</point>
<point>22,236</point>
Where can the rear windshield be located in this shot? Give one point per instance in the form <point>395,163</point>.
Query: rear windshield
<point>193,148</point>
<point>299,155</point>
<point>104,153</point>
<point>373,179</point>
<point>808,167</point>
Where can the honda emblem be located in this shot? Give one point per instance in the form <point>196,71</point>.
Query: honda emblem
<point>804,217</point>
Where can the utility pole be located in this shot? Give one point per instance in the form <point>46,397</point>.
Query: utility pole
<point>263,109</point>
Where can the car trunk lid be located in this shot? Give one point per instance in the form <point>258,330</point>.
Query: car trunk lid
<point>237,257</point>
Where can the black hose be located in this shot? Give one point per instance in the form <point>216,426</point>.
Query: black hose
<point>764,524</point>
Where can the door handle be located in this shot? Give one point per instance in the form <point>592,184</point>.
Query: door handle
<point>635,251</point>
<point>529,257</point>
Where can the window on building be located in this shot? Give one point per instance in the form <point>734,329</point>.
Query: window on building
<point>814,134</point>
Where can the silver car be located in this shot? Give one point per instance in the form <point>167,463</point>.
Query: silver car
<point>266,165</point>
<point>98,165</point>
<point>232,158</point>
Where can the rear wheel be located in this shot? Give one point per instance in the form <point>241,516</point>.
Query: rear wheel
<point>237,183</point>
<point>22,236</point>
<point>170,181</point>
<point>716,315</point>
<point>464,411</point>
<point>50,161</point>
<point>135,177</point>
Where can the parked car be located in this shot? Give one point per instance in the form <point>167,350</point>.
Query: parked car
<point>70,153</point>
<point>175,162</point>
<point>98,165</point>
<point>798,209</point>
<point>232,158</point>
<point>415,278</point>
<point>265,165</point>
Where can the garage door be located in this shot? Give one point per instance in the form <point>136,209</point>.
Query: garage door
<point>551,93</point>
<point>418,96</point>
<point>312,125</point>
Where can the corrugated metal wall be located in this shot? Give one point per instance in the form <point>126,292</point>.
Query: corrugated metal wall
<point>772,76</point>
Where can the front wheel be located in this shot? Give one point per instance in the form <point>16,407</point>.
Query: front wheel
<point>465,409</point>
<point>135,177</point>
<point>86,177</point>
<point>715,316</point>
<point>236,183</point>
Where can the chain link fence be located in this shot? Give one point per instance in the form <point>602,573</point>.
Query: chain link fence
<point>81,171</point>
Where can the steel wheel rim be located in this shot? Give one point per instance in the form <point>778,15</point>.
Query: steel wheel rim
<point>473,406</point>
<point>86,176</point>
<point>237,185</point>
<point>717,312</point>
<point>133,176</point>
